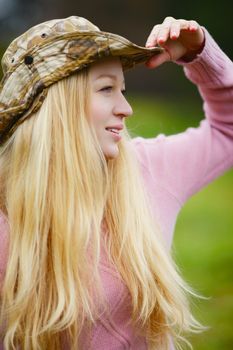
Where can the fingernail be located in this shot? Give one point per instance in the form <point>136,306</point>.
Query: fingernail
<point>161,40</point>
<point>193,29</point>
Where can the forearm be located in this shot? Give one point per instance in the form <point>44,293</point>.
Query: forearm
<point>212,72</point>
<point>186,162</point>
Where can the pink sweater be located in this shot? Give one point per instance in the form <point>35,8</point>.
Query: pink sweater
<point>173,168</point>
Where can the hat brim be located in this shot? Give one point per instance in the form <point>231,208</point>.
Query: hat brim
<point>24,86</point>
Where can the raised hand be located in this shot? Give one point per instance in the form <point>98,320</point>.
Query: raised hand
<point>180,39</point>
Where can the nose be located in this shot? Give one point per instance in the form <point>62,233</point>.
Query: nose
<point>122,107</point>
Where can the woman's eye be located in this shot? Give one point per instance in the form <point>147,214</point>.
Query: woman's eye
<point>107,88</point>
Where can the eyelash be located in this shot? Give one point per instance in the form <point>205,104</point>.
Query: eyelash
<point>106,88</point>
<point>109,88</point>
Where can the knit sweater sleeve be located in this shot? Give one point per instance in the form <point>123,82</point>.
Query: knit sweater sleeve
<point>183,163</point>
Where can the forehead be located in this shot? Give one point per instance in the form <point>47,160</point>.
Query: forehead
<point>109,66</point>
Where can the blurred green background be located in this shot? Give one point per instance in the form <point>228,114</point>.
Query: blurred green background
<point>203,241</point>
<point>165,102</point>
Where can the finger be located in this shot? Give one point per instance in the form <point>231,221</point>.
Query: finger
<point>175,30</point>
<point>184,25</point>
<point>163,34</point>
<point>157,60</point>
<point>152,38</point>
<point>193,26</point>
<point>169,20</point>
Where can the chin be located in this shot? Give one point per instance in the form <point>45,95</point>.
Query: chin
<point>113,154</point>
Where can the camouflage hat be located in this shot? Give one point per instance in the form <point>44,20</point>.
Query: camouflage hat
<point>49,52</point>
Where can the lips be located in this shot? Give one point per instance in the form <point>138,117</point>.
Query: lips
<point>115,131</point>
<point>115,128</point>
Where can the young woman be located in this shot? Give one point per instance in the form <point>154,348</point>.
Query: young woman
<point>87,214</point>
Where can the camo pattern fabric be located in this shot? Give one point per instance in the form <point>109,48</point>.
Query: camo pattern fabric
<point>49,52</point>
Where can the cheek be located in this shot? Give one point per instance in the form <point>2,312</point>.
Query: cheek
<point>98,112</point>
<point>93,113</point>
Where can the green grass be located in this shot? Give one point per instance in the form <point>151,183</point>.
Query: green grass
<point>203,242</point>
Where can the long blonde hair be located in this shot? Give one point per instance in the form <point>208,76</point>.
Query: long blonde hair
<point>57,188</point>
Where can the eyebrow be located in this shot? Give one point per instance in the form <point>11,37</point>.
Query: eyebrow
<point>111,76</point>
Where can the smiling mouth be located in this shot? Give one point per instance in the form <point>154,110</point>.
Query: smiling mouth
<point>115,131</point>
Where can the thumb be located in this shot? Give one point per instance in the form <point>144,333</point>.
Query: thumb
<point>157,60</point>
